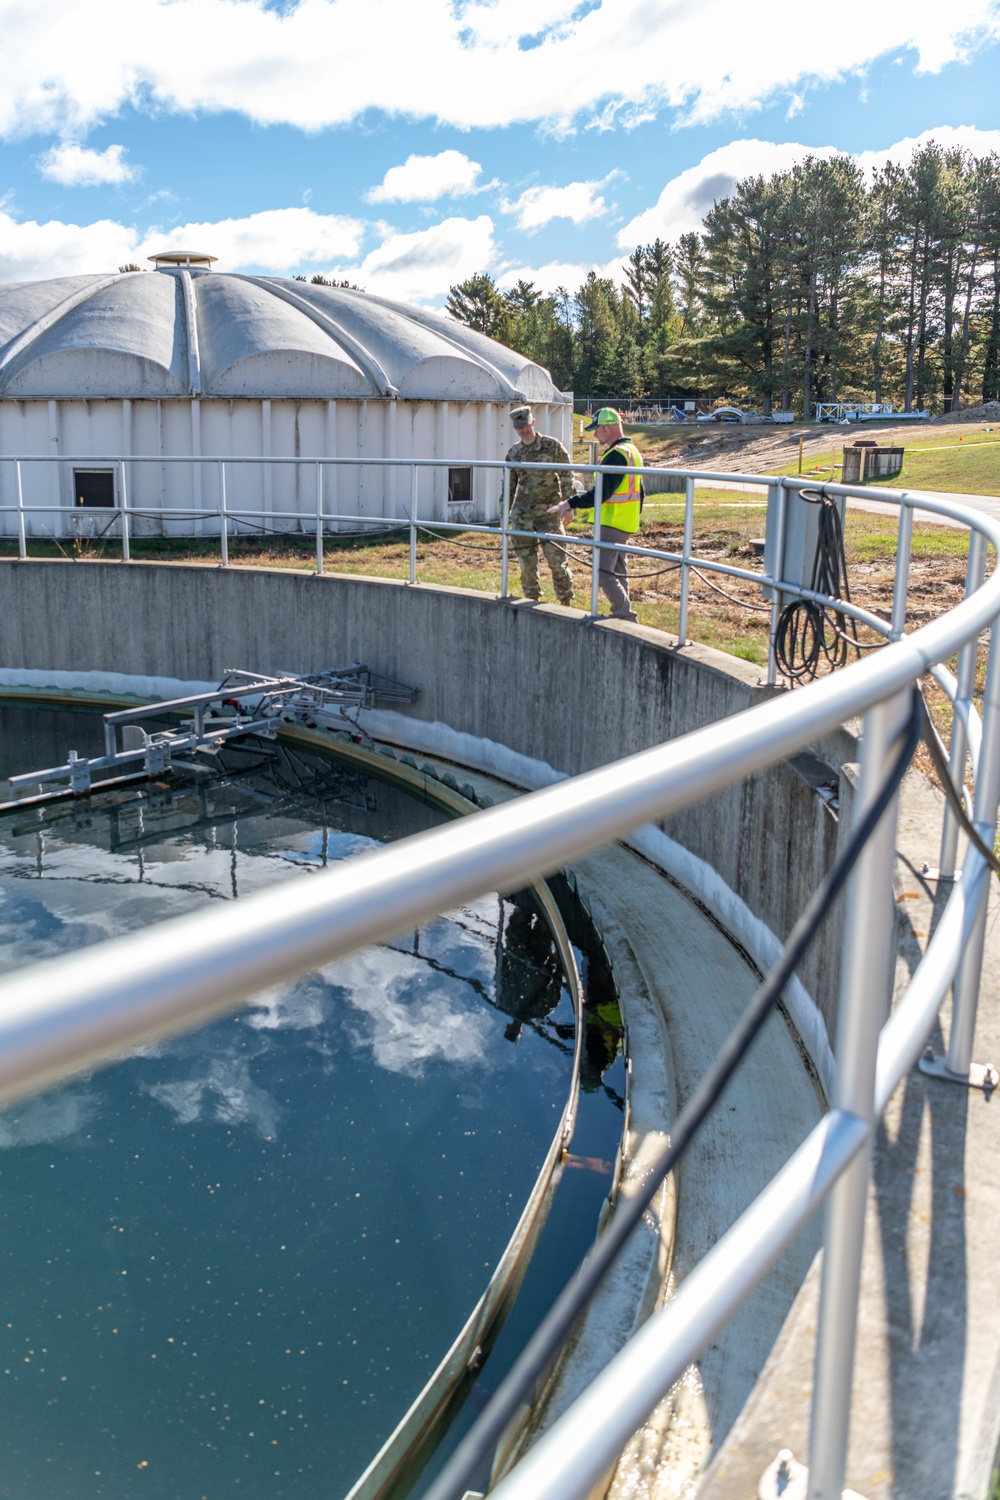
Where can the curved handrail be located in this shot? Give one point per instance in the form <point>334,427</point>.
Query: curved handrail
<point>80,1010</point>
<point>83,1009</point>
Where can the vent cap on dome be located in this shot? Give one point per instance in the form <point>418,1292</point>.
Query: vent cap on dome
<point>183,258</point>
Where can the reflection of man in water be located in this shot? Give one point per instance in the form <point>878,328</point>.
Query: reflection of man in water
<point>529,975</point>
<point>601,1040</point>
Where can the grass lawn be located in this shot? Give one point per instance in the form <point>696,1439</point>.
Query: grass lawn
<point>968,467</point>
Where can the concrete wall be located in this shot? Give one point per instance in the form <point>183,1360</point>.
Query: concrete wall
<point>543,682</point>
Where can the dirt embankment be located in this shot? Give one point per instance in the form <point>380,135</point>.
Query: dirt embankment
<point>988,412</point>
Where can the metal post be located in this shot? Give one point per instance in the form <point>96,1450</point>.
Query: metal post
<point>682,617</point>
<point>904,541</point>
<point>319,518</point>
<point>223,517</point>
<point>595,556</point>
<point>968,657</point>
<point>781,511</point>
<point>504,537</point>
<point>126,547</point>
<point>22,543</point>
<point>965,994</point>
<point>413,523</point>
<point>869,941</point>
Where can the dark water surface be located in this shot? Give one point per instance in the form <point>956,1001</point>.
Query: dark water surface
<point>228,1264</point>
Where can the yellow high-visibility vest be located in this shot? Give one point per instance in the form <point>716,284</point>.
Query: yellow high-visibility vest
<point>621,508</point>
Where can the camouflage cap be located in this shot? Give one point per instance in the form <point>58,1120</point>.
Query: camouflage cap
<point>522,416</point>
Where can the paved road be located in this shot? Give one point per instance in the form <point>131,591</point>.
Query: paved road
<point>988,504</point>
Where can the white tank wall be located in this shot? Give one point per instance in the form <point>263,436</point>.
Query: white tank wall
<point>248,428</point>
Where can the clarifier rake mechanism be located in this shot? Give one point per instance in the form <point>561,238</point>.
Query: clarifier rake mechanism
<point>244,703</point>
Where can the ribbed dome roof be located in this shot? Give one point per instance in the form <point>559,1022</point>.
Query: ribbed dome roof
<point>190,332</point>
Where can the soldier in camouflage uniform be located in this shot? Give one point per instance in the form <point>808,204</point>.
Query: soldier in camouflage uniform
<point>533,493</point>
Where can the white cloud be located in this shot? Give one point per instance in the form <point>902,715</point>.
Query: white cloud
<point>55,1117</point>
<point>280,239</point>
<point>420,267</point>
<point>402,1023</point>
<point>965,137</point>
<point>63,68</point>
<point>34,252</point>
<point>417,267</point>
<point>424,179</point>
<point>222,1090</point>
<point>554,274</point>
<point>687,197</point>
<point>79,166</point>
<point>538,206</point>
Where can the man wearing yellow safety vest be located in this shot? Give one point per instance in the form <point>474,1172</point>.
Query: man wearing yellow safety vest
<point>621,504</point>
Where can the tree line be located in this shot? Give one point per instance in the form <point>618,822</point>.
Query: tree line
<point>813,284</point>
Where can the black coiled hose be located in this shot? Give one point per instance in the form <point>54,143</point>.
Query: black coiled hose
<point>810,633</point>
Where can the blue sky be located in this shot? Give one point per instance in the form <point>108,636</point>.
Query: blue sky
<point>407,146</point>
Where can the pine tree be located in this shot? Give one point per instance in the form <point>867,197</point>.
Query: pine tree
<point>982,182</point>
<point>881,260</point>
<point>478,304</point>
<point>743,253</point>
<point>598,312</point>
<point>989,190</point>
<point>689,271</point>
<point>637,284</point>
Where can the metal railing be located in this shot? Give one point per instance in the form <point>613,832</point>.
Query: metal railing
<point>85,1009</point>
<point>322,521</point>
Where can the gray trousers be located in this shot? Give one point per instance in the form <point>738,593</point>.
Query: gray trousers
<point>613,572</point>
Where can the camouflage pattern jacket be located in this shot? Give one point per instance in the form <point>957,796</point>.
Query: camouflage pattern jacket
<point>530,487</point>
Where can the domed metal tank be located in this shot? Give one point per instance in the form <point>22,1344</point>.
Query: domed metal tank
<point>116,377</point>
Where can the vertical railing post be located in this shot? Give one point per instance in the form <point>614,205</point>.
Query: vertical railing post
<point>965,993</point>
<point>869,942</point>
<point>682,617</point>
<point>22,541</point>
<point>778,496</point>
<point>319,518</point>
<point>975,572</point>
<point>413,522</point>
<point>126,542</point>
<point>223,517</point>
<point>504,536</point>
<point>595,555</point>
<point>900,587</point>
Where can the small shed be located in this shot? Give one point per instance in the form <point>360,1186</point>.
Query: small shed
<point>864,460</point>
